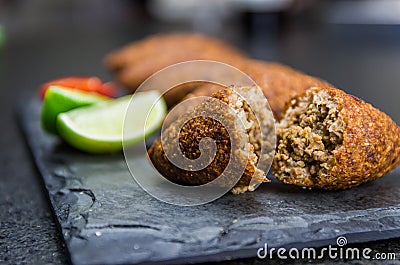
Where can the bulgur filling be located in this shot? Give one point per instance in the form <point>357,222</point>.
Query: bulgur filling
<point>308,136</point>
<point>251,124</point>
<point>249,120</point>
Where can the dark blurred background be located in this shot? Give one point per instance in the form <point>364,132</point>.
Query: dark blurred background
<point>352,44</point>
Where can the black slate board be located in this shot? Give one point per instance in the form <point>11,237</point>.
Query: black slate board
<point>106,218</point>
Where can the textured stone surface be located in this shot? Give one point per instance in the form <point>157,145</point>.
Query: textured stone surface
<point>106,218</point>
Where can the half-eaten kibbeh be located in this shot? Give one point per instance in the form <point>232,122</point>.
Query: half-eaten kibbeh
<point>328,139</point>
<point>253,113</point>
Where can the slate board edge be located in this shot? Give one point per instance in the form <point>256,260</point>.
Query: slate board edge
<point>250,252</point>
<point>20,113</point>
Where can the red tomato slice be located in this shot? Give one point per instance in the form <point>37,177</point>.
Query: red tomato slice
<point>109,89</point>
<point>89,84</point>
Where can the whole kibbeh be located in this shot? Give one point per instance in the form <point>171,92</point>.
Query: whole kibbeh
<point>279,83</point>
<point>137,61</point>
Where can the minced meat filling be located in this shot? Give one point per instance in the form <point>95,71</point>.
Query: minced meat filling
<point>308,136</point>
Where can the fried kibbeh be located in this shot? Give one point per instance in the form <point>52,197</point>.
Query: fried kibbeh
<point>137,61</point>
<point>326,139</point>
<point>279,83</point>
<point>331,140</point>
<point>200,126</point>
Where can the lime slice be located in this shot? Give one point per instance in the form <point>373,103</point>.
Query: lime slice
<point>99,128</point>
<point>59,99</point>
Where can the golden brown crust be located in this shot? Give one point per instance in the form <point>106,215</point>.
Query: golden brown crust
<point>135,62</point>
<point>370,146</point>
<point>371,143</point>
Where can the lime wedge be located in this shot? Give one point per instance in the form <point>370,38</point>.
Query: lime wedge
<point>59,99</point>
<point>99,128</point>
